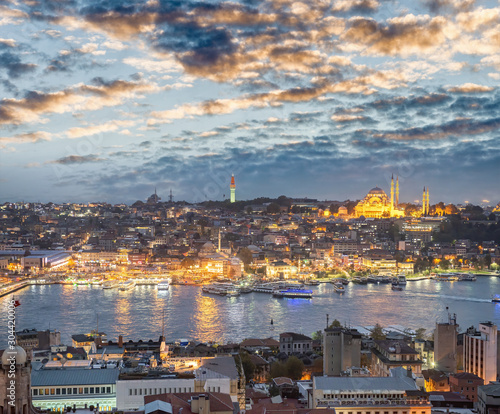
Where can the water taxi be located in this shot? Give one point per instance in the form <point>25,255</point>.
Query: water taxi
<point>127,285</point>
<point>293,293</point>
<point>110,284</point>
<point>163,285</point>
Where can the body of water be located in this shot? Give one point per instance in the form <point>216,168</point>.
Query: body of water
<point>189,313</point>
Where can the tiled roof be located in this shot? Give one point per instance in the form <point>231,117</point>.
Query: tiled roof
<point>76,376</point>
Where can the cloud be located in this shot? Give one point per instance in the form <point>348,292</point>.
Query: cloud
<point>76,159</point>
<point>470,88</point>
<point>15,68</point>
<point>110,126</point>
<point>81,97</point>
<point>28,137</point>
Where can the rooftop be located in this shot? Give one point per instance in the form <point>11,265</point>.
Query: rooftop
<point>332,385</point>
<point>73,376</point>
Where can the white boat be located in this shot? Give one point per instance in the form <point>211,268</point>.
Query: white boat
<point>222,289</point>
<point>110,284</point>
<point>339,287</point>
<point>293,293</point>
<point>401,280</point>
<point>163,285</point>
<point>127,285</point>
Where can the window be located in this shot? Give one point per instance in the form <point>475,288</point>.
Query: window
<point>130,391</point>
<point>75,390</point>
<point>86,390</point>
<point>35,392</point>
<point>52,391</point>
<point>140,391</point>
<point>145,391</point>
<point>63,391</point>
<point>156,391</point>
<point>91,390</point>
<point>69,391</point>
<point>58,391</point>
<point>135,391</point>
<point>150,391</point>
<point>80,390</point>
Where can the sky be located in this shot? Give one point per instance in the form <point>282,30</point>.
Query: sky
<point>106,100</point>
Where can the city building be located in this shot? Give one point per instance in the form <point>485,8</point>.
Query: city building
<point>31,338</point>
<point>280,270</point>
<point>466,384</point>
<point>57,389</point>
<point>194,402</point>
<point>397,394</point>
<point>291,343</point>
<point>15,398</point>
<point>488,398</point>
<point>377,204</point>
<point>341,350</point>
<point>445,345</point>
<point>480,351</point>
<point>388,354</point>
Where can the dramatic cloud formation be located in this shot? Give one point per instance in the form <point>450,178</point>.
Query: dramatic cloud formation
<point>309,98</point>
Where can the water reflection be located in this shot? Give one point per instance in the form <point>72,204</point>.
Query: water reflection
<point>191,314</point>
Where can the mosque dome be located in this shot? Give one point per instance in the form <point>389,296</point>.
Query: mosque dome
<point>18,352</point>
<point>377,190</point>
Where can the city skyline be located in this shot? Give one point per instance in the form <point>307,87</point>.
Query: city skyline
<point>323,99</point>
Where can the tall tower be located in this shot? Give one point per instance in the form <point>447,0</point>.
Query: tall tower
<point>232,187</point>
<point>427,200</point>
<point>424,203</point>
<point>445,344</point>
<point>397,192</point>
<point>392,195</point>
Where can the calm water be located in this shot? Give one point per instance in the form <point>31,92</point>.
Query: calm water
<point>189,313</point>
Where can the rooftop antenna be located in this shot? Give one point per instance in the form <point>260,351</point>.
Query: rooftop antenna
<point>327,318</point>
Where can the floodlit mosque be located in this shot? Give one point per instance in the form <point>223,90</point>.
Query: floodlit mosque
<point>377,204</point>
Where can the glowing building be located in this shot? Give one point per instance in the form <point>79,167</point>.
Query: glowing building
<point>377,204</point>
<point>232,187</point>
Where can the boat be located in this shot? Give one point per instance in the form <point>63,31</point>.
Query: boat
<point>395,287</point>
<point>372,279</point>
<point>496,299</point>
<point>468,277</point>
<point>110,284</point>
<point>446,277</point>
<point>222,289</point>
<point>339,288</point>
<point>360,280</point>
<point>311,282</point>
<point>401,280</point>
<point>294,293</point>
<point>127,285</point>
<point>265,288</point>
<point>163,285</point>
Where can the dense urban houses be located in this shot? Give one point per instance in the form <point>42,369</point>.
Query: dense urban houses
<point>291,343</point>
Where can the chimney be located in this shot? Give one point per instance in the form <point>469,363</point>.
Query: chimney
<point>206,410</point>
<point>409,372</point>
<point>120,341</point>
<point>195,404</point>
<point>398,347</point>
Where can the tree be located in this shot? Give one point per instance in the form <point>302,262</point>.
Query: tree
<point>451,209</point>
<point>284,201</point>
<point>187,262</point>
<point>246,256</point>
<point>247,364</point>
<point>317,335</point>
<point>444,264</point>
<point>273,208</point>
<point>377,332</point>
<point>294,368</point>
<point>420,333</point>
<point>278,369</point>
<point>487,260</point>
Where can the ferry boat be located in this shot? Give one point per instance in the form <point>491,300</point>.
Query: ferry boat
<point>296,293</point>
<point>468,277</point>
<point>401,280</point>
<point>446,277</point>
<point>127,285</point>
<point>311,282</point>
<point>360,280</point>
<point>110,284</point>
<point>339,288</point>
<point>221,289</point>
<point>163,285</point>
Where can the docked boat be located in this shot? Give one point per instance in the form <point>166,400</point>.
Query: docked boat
<point>339,288</point>
<point>294,293</point>
<point>446,277</point>
<point>127,285</point>
<point>372,279</point>
<point>468,277</point>
<point>401,280</point>
<point>360,280</point>
<point>221,289</point>
<point>396,287</point>
<point>265,288</point>
<point>110,284</point>
<point>311,282</point>
<point>163,285</point>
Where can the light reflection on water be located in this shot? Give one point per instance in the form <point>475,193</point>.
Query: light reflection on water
<point>191,314</point>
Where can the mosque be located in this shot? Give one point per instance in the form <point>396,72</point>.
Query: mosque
<point>377,204</point>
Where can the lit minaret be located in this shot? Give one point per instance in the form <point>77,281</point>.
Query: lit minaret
<point>424,203</point>
<point>392,195</point>
<point>427,200</point>
<point>397,192</point>
<point>232,187</point>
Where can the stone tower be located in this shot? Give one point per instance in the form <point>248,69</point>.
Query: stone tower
<point>15,382</point>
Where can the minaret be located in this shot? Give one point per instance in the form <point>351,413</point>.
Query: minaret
<point>424,203</point>
<point>232,187</point>
<point>428,202</point>
<point>397,192</point>
<point>170,197</point>
<point>392,195</point>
